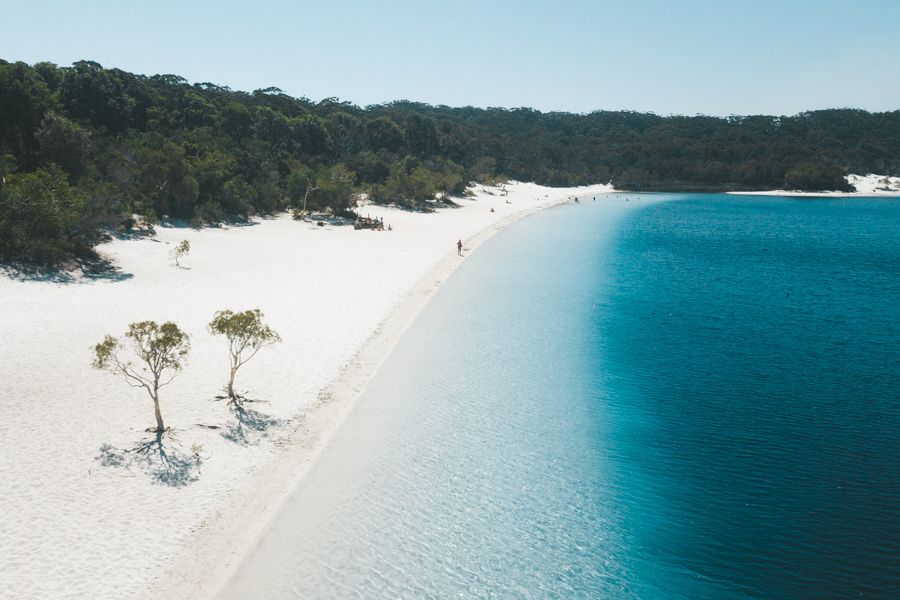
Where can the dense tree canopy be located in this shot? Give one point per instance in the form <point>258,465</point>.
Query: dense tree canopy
<point>83,147</point>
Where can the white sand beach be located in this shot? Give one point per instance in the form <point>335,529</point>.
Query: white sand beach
<point>71,527</point>
<point>866,185</point>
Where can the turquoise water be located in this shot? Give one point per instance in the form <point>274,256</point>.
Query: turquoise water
<point>697,397</point>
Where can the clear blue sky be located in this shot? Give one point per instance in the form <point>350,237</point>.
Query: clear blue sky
<point>714,57</point>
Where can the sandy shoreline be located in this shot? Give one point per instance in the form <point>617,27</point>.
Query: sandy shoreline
<point>73,528</point>
<point>867,186</point>
<point>221,544</point>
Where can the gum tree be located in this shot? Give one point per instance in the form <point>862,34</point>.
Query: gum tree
<point>300,184</point>
<point>150,357</point>
<point>246,334</point>
<point>180,251</point>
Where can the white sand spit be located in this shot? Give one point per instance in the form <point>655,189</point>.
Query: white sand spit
<point>865,185</point>
<point>73,528</point>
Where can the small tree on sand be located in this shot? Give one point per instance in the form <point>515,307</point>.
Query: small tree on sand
<point>246,334</point>
<point>180,251</point>
<point>160,351</point>
<point>301,183</point>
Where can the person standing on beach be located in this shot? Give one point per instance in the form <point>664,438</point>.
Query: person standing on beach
<point>459,247</point>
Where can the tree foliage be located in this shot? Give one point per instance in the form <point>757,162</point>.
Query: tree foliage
<point>40,215</point>
<point>150,357</point>
<point>180,251</point>
<point>164,148</point>
<point>246,334</point>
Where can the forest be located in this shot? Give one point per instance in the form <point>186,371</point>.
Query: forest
<point>83,149</point>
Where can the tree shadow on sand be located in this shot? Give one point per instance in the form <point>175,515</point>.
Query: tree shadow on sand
<point>248,425</point>
<point>226,222</point>
<point>160,456</point>
<point>78,271</point>
<point>427,206</point>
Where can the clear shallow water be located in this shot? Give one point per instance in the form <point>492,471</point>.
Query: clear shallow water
<point>698,398</point>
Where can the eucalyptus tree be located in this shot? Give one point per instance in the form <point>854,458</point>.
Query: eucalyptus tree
<point>246,334</point>
<point>180,251</point>
<point>150,357</point>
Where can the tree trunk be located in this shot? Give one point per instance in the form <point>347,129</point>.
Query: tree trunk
<point>231,384</point>
<point>309,188</point>
<point>159,422</point>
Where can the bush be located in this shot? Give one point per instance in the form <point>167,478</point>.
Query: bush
<point>39,214</point>
<point>816,178</point>
<point>210,212</point>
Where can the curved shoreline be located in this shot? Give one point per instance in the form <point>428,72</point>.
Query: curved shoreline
<point>219,546</point>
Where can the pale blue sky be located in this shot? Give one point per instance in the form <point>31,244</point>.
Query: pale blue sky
<point>686,57</point>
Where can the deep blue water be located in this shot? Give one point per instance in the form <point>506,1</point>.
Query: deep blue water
<point>753,347</point>
<point>697,397</point>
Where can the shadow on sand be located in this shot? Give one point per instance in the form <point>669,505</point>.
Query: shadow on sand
<point>160,456</point>
<point>81,271</point>
<point>224,223</point>
<point>428,206</point>
<point>247,423</point>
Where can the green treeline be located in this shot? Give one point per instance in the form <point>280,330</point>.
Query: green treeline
<point>82,148</point>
